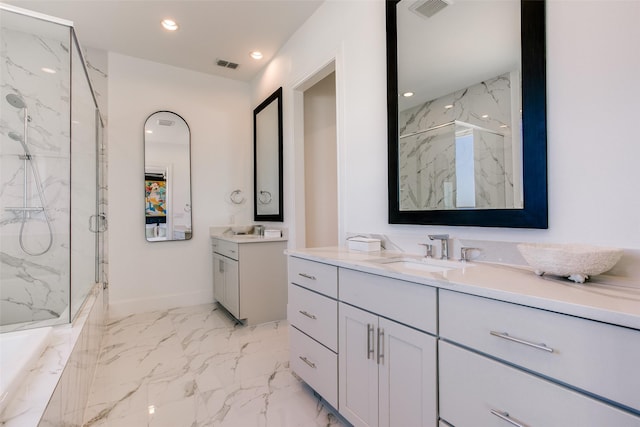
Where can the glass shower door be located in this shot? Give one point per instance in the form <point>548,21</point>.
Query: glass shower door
<point>84,170</point>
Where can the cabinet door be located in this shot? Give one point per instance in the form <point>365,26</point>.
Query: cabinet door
<point>358,368</point>
<point>407,375</point>
<point>218,278</point>
<point>232,287</point>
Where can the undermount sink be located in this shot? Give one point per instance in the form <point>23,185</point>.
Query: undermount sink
<point>428,265</point>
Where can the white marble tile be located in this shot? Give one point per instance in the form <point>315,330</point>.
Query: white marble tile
<point>194,367</point>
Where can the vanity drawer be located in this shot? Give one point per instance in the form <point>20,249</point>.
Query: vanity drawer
<point>409,303</point>
<point>472,386</point>
<point>322,278</point>
<point>226,248</point>
<point>315,364</point>
<point>597,357</point>
<point>314,314</point>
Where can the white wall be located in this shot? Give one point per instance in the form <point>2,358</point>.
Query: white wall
<point>593,94</point>
<point>146,276</point>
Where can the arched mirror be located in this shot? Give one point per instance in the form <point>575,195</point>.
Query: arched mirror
<point>267,160</point>
<point>167,177</point>
<point>467,113</point>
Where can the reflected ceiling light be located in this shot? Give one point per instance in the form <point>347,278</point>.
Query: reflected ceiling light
<point>152,409</point>
<point>169,24</point>
<point>48,70</point>
<point>148,131</point>
<point>504,126</point>
<point>407,94</point>
<point>485,116</point>
<point>448,106</point>
<point>256,54</point>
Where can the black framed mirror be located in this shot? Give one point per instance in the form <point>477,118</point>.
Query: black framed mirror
<point>167,177</point>
<point>268,159</point>
<point>467,131</point>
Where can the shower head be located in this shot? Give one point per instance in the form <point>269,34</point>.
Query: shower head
<point>16,101</point>
<point>16,137</point>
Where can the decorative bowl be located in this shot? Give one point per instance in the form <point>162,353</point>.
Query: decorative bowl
<point>241,229</point>
<point>574,261</point>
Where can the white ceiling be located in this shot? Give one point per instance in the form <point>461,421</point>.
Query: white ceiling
<point>209,29</point>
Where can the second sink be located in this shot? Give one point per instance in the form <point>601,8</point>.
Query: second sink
<point>428,265</point>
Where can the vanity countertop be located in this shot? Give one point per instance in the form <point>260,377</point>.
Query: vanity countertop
<point>246,238</point>
<point>617,305</point>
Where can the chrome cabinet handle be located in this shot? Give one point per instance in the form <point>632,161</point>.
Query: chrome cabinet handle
<point>380,346</point>
<point>369,341</point>
<point>505,416</point>
<point>308,362</point>
<point>306,276</point>
<point>310,316</point>
<point>506,336</point>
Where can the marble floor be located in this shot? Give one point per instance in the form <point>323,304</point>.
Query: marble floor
<point>194,367</point>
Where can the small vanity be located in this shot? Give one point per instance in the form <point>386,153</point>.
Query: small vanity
<point>394,340</point>
<point>250,276</point>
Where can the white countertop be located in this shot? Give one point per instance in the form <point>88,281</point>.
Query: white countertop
<point>617,305</point>
<point>246,238</point>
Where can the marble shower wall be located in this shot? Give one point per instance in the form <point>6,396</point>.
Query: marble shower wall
<point>428,160</point>
<point>34,290</point>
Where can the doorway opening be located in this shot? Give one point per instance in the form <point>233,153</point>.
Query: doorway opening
<point>321,164</point>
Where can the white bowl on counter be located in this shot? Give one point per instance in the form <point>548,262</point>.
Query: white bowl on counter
<point>575,261</point>
<point>241,229</point>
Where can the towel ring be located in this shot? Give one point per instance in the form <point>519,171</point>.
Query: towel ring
<point>236,197</point>
<point>265,197</point>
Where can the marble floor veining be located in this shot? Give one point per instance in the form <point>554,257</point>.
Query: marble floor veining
<point>193,367</point>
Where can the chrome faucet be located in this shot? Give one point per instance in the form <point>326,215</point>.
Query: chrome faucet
<point>444,241</point>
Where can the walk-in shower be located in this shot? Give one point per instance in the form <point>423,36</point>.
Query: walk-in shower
<point>51,227</point>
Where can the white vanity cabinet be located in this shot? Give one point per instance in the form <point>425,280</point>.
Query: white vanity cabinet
<point>250,278</point>
<point>587,358</point>
<point>387,370</point>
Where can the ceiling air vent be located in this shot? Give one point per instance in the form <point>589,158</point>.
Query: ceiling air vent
<point>226,64</point>
<point>428,8</point>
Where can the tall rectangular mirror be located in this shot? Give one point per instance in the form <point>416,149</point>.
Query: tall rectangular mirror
<point>167,177</point>
<point>467,113</point>
<point>268,159</point>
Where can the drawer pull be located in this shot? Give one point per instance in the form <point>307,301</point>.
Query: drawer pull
<point>304,313</point>
<point>380,346</point>
<point>506,336</point>
<point>505,416</point>
<point>308,362</point>
<point>307,276</point>
<point>369,341</point>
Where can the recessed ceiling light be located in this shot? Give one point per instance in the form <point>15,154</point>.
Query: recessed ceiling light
<point>256,54</point>
<point>169,24</point>
<point>448,106</point>
<point>407,94</point>
<point>48,70</point>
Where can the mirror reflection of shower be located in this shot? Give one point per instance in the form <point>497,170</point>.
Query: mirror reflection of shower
<point>25,210</point>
